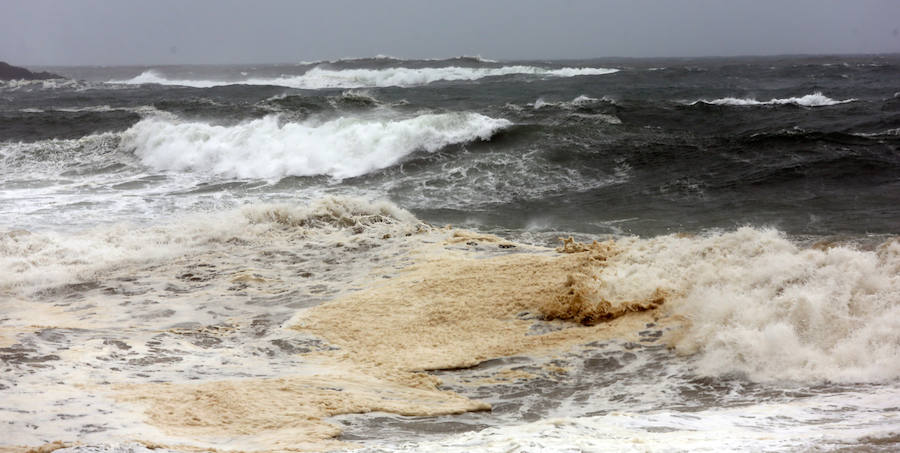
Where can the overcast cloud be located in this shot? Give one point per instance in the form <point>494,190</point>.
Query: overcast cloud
<point>43,32</point>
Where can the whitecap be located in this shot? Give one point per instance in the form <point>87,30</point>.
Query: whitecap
<point>267,148</point>
<point>762,306</point>
<point>816,99</point>
<point>319,78</point>
<point>578,101</point>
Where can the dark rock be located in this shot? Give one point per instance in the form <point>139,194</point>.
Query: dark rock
<point>10,72</point>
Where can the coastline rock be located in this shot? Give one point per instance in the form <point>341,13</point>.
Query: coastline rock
<point>10,72</point>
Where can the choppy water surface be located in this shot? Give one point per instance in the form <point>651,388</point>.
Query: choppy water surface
<point>255,257</point>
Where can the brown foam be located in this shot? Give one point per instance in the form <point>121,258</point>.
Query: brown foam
<point>459,236</point>
<point>22,315</point>
<point>7,337</point>
<point>449,309</point>
<point>452,310</point>
<point>284,414</point>
<point>581,303</point>
<point>505,376</point>
<point>580,300</point>
<point>46,448</point>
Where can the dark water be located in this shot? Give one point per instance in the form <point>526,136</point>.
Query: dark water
<point>129,265</point>
<point>641,156</point>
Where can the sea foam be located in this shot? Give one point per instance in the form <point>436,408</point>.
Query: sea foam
<point>267,148</point>
<point>760,305</point>
<point>767,426</point>
<point>36,261</point>
<point>318,77</point>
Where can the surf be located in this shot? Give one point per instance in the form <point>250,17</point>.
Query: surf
<point>271,148</point>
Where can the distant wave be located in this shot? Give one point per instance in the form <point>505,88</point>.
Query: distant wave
<point>382,57</point>
<point>266,148</point>
<point>154,77</point>
<point>577,105</point>
<point>49,84</point>
<point>318,77</point>
<point>810,100</point>
<point>888,132</point>
<point>578,101</point>
<point>91,108</point>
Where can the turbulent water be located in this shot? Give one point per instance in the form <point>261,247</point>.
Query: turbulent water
<point>257,257</point>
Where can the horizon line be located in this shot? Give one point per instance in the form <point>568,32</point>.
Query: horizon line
<point>496,60</point>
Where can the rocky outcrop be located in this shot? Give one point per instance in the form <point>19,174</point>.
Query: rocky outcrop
<point>10,72</point>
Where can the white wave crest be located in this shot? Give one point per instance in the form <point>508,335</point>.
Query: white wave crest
<point>318,78</point>
<point>477,58</point>
<point>266,148</point>
<point>48,84</point>
<point>760,305</point>
<point>888,132</point>
<point>145,109</point>
<point>579,101</point>
<point>35,261</point>
<point>810,100</point>
<point>154,77</point>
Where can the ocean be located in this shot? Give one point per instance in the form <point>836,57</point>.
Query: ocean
<point>453,255</point>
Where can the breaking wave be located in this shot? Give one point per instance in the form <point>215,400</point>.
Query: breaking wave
<point>48,84</point>
<point>382,57</point>
<point>39,260</point>
<point>749,301</point>
<point>579,101</point>
<point>319,78</point>
<point>810,100</point>
<point>50,158</point>
<point>762,306</point>
<point>267,148</point>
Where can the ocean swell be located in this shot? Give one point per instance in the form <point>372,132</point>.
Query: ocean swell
<point>319,78</point>
<point>267,148</point>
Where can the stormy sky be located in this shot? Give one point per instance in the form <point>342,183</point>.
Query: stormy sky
<point>83,32</point>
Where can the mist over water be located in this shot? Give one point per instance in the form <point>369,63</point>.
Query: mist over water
<point>268,242</point>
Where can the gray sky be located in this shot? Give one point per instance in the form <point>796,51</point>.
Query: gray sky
<point>60,32</point>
